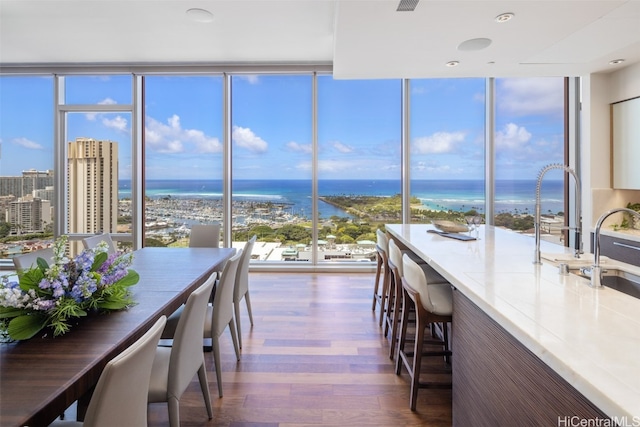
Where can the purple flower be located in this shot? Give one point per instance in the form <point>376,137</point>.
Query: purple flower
<point>44,305</point>
<point>65,283</point>
<point>84,261</point>
<point>58,289</point>
<point>84,287</point>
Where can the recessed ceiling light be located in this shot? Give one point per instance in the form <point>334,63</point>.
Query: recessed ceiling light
<point>452,63</point>
<point>200,15</point>
<point>474,44</point>
<point>504,17</point>
<point>616,61</point>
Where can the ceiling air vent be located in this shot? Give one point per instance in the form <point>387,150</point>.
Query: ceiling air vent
<point>407,5</point>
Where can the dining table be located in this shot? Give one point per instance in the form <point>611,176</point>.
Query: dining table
<point>42,376</point>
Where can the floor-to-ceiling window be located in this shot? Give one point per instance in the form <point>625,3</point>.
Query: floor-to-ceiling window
<point>359,165</point>
<point>26,163</point>
<point>315,165</point>
<point>529,135</point>
<point>96,147</point>
<point>183,156</point>
<point>271,134</point>
<point>447,143</point>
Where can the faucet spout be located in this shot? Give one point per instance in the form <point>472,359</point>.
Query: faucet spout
<point>578,206</point>
<point>596,270</point>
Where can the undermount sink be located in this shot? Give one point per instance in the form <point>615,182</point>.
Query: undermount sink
<point>619,280</point>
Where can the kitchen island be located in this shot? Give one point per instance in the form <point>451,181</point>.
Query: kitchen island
<point>530,343</point>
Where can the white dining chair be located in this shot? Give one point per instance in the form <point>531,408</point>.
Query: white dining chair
<point>174,367</point>
<point>219,315</point>
<point>241,289</point>
<point>94,241</point>
<point>120,396</point>
<point>204,236</point>
<point>30,259</point>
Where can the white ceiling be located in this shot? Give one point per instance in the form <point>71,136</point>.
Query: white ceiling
<point>360,38</point>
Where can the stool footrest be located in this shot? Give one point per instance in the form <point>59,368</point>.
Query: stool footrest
<point>435,385</point>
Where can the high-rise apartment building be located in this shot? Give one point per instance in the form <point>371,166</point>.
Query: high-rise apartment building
<point>47,193</point>
<point>25,185</point>
<point>92,186</point>
<point>25,215</point>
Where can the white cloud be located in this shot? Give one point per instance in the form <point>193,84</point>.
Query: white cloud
<point>419,166</point>
<point>118,123</point>
<point>27,143</point>
<point>245,138</point>
<point>444,170</point>
<point>302,148</point>
<point>342,148</point>
<point>328,166</point>
<point>512,137</point>
<point>203,143</point>
<point>516,146</point>
<point>526,96</point>
<point>172,138</point>
<point>92,116</point>
<point>438,143</point>
<point>334,165</point>
<point>434,168</point>
<point>394,167</point>
<point>251,78</point>
<point>418,90</point>
<point>107,101</point>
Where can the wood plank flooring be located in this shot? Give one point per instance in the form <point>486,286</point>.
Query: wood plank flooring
<point>315,357</point>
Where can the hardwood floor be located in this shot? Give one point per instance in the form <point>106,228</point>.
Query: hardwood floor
<point>315,357</point>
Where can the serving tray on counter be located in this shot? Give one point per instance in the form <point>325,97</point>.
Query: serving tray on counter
<point>457,236</point>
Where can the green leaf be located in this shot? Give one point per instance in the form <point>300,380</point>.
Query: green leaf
<point>30,279</point>
<point>26,326</point>
<point>99,259</point>
<point>42,264</point>
<point>130,279</point>
<point>9,312</point>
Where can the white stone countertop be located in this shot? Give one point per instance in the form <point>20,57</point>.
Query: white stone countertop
<point>590,337</point>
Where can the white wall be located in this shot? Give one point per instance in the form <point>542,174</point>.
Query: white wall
<point>625,84</point>
<point>598,92</point>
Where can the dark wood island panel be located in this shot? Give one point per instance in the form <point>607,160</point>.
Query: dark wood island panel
<point>497,381</point>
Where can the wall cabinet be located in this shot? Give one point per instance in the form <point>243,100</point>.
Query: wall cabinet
<point>625,144</point>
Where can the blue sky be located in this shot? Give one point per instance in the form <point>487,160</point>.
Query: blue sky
<point>358,126</point>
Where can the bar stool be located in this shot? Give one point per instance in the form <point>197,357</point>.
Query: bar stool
<point>382,271</point>
<point>395,288</point>
<point>433,303</point>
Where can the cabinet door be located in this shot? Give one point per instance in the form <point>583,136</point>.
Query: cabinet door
<point>625,144</point>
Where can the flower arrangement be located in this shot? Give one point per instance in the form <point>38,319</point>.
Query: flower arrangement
<point>55,295</point>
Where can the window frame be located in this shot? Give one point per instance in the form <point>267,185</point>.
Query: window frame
<point>136,111</point>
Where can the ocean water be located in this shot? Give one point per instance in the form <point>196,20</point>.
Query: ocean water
<point>456,195</point>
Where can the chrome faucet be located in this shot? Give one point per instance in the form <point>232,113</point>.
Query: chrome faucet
<point>578,226</point>
<point>595,271</point>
